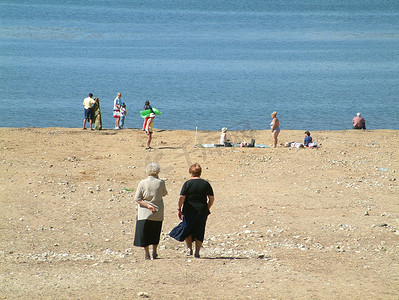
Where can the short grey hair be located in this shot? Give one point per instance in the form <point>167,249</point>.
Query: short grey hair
<point>153,169</point>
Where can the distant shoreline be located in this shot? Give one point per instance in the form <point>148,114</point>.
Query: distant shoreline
<point>193,130</point>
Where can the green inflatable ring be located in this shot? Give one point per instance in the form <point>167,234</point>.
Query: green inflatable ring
<point>146,113</point>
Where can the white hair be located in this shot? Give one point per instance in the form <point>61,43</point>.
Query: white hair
<point>153,169</point>
<point>359,114</point>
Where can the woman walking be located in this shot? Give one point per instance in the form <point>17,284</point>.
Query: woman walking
<point>150,211</point>
<point>196,199</point>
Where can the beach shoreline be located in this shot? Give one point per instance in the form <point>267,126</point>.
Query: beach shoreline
<point>286,223</point>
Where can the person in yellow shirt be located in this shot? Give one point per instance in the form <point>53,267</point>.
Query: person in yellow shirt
<point>88,105</point>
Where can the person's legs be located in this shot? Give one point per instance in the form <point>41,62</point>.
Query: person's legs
<point>189,243</point>
<point>87,116</point>
<point>274,136</point>
<point>154,251</point>
<point>277,133</point>
<point>149,137</point>
<point>198,245</point>
<point>91,123</point>
<point>145,123</point>
<point>147,252</point>
<point>117,123</point>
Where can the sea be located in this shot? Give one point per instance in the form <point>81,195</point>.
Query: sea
<point>204,64</point>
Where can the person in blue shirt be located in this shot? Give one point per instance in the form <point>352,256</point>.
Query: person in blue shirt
<point>308,139</point>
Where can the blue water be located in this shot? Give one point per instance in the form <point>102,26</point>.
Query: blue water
<point>204,64</point>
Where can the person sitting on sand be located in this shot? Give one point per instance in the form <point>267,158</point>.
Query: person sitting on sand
<point>308,139</point>
<point>359,122</point>
<point>223,137</point>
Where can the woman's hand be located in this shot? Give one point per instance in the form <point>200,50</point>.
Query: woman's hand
<point>151,208</point>
<point>147,205</point>
<point>182,198</point>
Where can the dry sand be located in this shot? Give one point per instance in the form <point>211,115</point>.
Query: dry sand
<point>287,223</point>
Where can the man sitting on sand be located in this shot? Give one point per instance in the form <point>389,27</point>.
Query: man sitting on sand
<point>359,122</point>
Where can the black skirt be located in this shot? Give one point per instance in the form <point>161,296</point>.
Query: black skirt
<point>147,233</point>
<point>192,224</point>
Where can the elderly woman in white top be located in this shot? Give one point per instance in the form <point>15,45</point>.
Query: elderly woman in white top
<point>150,211</point>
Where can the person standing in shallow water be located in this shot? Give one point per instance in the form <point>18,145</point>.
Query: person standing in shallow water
<point>150,211</point>
<point>275,128</point>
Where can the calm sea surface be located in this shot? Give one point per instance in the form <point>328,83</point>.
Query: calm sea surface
<point>204,64</point>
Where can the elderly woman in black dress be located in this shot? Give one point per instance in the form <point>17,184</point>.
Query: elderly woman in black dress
<point>150,211</point>
<point>196,199</point>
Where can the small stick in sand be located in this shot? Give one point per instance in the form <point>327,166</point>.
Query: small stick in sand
<point>195,142</point>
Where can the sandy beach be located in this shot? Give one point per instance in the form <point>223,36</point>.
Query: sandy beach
<point>287,223</point>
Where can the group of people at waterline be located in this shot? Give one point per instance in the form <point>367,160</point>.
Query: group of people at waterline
<point>92,113</point>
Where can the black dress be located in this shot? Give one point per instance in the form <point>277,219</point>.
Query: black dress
<point>195,210</point>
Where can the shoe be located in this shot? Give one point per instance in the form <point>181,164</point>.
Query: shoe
<point>147,257</point>
<point>189,252</point>
<point>196,255</point>
<point>91,129</point>
<point>84,128</point>
<point>154,255</point>
<point>116,127</point>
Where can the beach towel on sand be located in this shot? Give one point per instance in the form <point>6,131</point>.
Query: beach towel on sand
<point>233,145</point>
